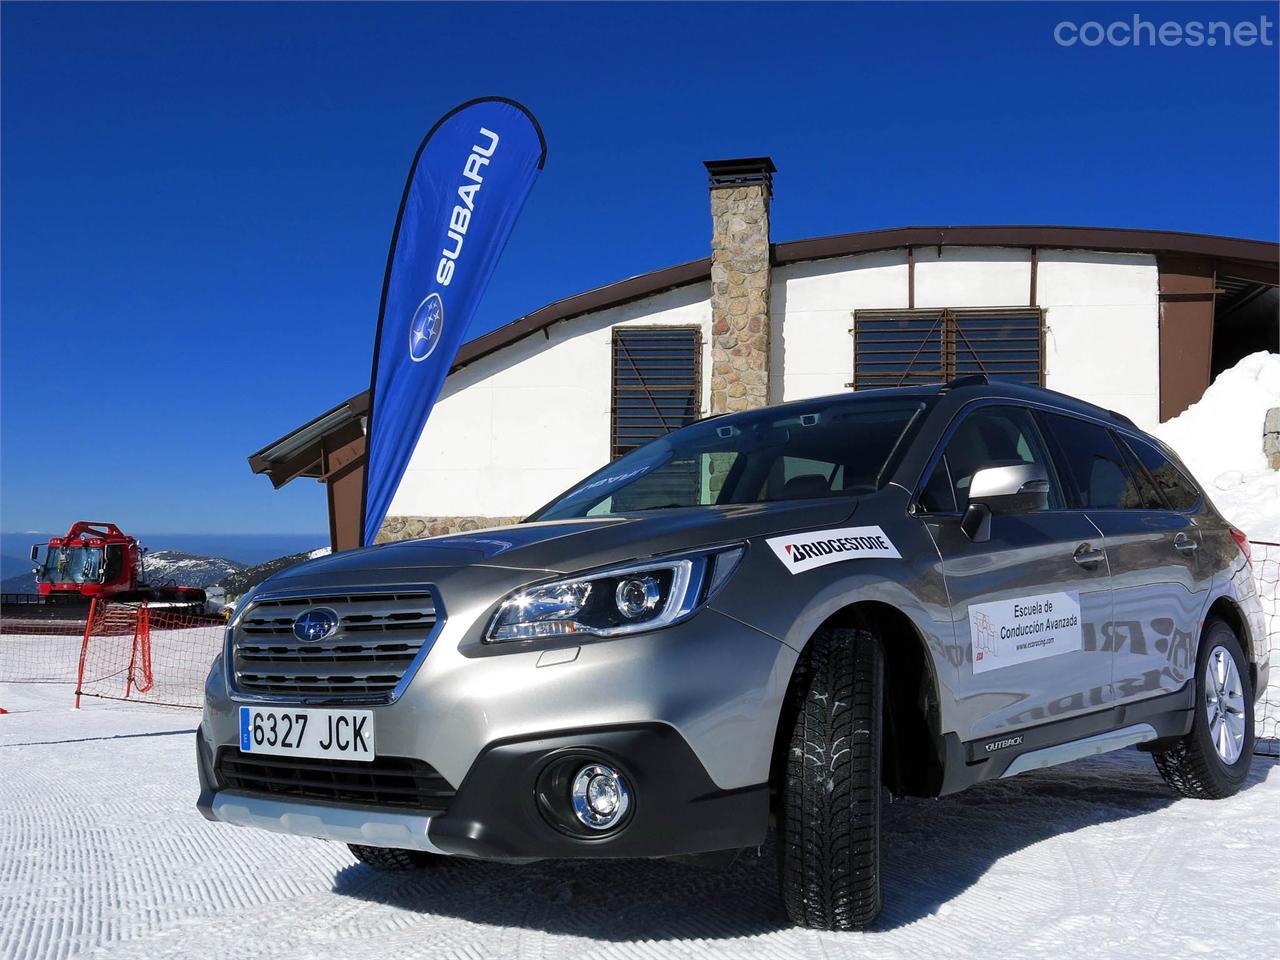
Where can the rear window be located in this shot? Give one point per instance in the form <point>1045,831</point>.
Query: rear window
<point>1180,492</point>
<point>1147,496</point>
<point>1092,468</point>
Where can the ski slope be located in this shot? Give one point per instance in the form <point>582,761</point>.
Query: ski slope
<point>103,855</point>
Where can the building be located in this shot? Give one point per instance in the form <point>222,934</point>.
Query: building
<point>1138,321</point>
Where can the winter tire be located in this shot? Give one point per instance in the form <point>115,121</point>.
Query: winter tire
<point>1212,761</point>
<point>829,816</point>
<point>386,858</point>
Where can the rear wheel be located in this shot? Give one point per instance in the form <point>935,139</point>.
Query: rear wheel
<point>829,818</point>
<point>386,858</point>
<point>1212,761</point>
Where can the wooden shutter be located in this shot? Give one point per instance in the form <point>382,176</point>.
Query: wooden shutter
<point>896,348</point>
<point>1002,343</point>
<point>657,383</point>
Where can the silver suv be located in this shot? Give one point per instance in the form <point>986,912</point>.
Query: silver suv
<point>763,619</point>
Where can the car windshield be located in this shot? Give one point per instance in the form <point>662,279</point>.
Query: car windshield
<point>833,447</point>
<point>72,565</point>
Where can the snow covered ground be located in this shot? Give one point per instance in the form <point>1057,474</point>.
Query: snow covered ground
<point>1220,440</point>
<point>103,855</point>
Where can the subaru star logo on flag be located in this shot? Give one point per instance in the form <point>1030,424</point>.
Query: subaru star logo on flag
<point>466,186</point>
<point>424,331</point>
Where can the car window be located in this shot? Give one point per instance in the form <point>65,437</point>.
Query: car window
<point>677,482</point>
<point>1095,474</point>
<point>938,495</point>
<point>825,447</point>
<point>1146,494</point>
<point>798,478</point>
<point>1180,492</point>
<point>988,436</point>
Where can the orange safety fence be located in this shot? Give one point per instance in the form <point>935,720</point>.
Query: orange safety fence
<point>147,653</point>
<point>116,651</point>
<point>42,649</point>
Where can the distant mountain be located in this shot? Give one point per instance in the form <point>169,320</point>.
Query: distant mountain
<point>22,583</point>
<point>241,581</point>
<point>12,566</point>
<point>163,568</point>
<point>173,567</point>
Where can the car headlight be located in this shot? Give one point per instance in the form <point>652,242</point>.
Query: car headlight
<point>644,595</point>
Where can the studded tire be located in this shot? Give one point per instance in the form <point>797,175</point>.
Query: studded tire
<point>386,858</point>
<point>829,815</point>
<point>1192,765</point>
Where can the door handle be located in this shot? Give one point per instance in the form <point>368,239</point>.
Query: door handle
<point>1087,555</point>
<point>1184,544</point>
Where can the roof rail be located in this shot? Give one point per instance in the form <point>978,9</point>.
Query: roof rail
<point>968,380</point>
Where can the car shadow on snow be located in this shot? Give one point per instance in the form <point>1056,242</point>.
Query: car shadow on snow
<point>933,851</point>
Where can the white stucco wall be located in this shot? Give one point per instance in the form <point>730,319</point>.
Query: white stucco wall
<point>1102,336</point>
<point>517,427</point>
<point>813,303</point>
<point>973,277</point>
<point>1090,299</point>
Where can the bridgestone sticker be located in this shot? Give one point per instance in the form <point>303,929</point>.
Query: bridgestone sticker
<point>1009,632</point>
<point>804,551</point>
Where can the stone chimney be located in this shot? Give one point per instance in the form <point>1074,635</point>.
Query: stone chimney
<point>740,192</point>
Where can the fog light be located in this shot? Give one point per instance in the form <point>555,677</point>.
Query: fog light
<point>600,797</point>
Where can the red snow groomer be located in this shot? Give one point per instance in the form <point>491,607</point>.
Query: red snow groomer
<point>100,560</point>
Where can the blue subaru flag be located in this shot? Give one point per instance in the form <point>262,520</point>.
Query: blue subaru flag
<point>466,186</point>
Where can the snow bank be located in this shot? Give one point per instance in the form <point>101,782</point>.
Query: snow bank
<point>1220,440</point>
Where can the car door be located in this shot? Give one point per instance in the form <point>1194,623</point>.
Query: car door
<point>1029,603</point>
<point>1158,576</point>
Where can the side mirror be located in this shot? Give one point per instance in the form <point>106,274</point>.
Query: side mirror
<point>35,552</point>
<point>1003,488</point>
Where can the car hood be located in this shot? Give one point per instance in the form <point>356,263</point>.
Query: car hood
<point>565,546</point>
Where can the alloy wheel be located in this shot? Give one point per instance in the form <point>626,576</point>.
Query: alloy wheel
<point>1224,705</point>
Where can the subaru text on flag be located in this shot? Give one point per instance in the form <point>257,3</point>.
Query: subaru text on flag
<point>762,619</point>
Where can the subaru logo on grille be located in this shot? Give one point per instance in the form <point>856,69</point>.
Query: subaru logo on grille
<point>315,624</point>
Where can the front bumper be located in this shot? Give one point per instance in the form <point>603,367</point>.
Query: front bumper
<point>497,812</point>
<point>368,827</point>
<point>688,715</point>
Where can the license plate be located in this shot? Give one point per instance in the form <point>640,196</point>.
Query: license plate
<point>296,732</point>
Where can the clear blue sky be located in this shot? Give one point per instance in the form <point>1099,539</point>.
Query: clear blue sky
<point>197,199</point>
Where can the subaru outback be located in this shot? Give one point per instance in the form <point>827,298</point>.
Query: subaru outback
<point>765,620</point>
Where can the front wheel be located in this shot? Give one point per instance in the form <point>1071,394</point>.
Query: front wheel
<point>1212,761</point>
<point>829,822</point>
<point>391,859</point>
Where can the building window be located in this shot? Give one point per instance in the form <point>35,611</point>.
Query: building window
<point>896,348</point>
<point>657,383</point>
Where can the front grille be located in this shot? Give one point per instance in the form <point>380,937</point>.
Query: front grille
<point>382,782</point>
<point>377,638</point>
